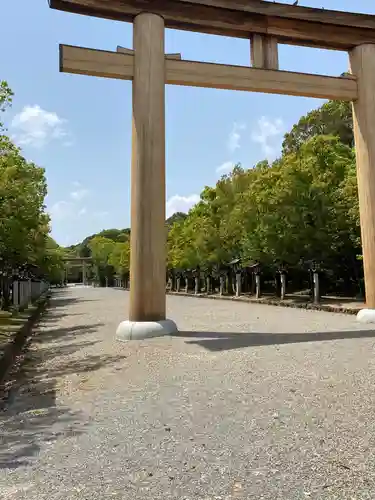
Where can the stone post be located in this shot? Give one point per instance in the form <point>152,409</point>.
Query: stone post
<point>222,285</point>
<point>208,284</point>
<point>316,290</point>
<point>29,291</point>
<point>283,285</point>
<point>257,286</point>
<point>16,293</point>
<point>238,284</point>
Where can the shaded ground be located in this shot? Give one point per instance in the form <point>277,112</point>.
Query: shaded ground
<point>330,304</point>
<point>249,401</point>
<point>10,326</point>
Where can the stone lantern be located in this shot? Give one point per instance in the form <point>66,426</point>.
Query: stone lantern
<point>315,270</point>
<point>237,268</point>
<point>282,271</point>
<point>208,279</point>
<point>256,271</point>
<point>178,279</point>
<point>197,276</point>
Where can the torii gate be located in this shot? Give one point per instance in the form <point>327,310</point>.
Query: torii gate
<point>266,25</point>
<point>79,260</point>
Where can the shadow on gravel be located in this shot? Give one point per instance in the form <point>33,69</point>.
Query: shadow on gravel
<point>63,298</point>
<point>67,301</point>
<point>58,316</point>
<point>66,333</point>
<point>31,418</point>
<point>215,341</point>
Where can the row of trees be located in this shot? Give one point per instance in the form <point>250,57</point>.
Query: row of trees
<point>110,258</point>
<point>110,252</point>
<point>26,249</point>
<point>302,207</point>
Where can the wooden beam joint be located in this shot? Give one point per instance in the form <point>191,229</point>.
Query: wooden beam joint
<point>130,52</point>
<point>264,52</point>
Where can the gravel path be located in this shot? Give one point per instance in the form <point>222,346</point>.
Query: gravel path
<point>285,410</point>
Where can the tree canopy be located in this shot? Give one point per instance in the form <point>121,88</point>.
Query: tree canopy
<point>25,245</point>
<point>301,207</point>
<point>333,118</point>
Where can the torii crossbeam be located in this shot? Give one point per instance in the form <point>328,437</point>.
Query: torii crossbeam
<point>266,25</point>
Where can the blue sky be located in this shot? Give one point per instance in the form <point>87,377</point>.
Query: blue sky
<point>79,127</point>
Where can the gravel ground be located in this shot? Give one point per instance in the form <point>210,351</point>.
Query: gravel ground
<point>248,402</point>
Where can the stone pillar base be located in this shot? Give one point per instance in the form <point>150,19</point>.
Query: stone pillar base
<point>366,316</point>
<point>138,330</point>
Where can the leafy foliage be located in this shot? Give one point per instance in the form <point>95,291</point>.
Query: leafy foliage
<point>6,96</point>
<point>302,207</point>
<point>119,258</point>
<point>176,217</point>
<point>25,246</point>
<point>333,118</point>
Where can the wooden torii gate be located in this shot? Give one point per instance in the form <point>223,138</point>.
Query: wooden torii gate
<point>266,25</point>
<point>79,260</point>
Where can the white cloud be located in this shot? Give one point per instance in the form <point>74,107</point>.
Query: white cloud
<point>101,215</point>
<point>79,194</point>
<point>225,167</point>
<point>179,203</point>
<point>61,210</point>
<point>267,134</point>
<point>234,139</point>
<point>69,209</point>
<point>83,211</point>
<point>36,127</point>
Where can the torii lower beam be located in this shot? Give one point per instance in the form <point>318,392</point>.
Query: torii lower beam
<point>120,65</point>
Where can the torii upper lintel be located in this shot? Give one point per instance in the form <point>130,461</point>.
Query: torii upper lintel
<point>239,18</point>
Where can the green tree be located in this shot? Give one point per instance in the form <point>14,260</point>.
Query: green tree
<point>208,236</point>
<point>101,249</point>
<point>297,209</point>
<point>6,96</point>
<point>50,261</point>
<point>302,207</point>
<point>24,223</point>
<point>119,259</point>
<point>333,118</point>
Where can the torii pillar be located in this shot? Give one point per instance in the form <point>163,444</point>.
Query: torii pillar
<point>147,309</point>
<point>362,64</point>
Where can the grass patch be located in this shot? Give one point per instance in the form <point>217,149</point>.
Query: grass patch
<point>14,331</point>
<point>12,321</point>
